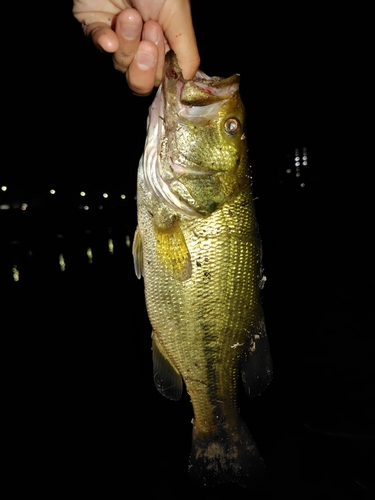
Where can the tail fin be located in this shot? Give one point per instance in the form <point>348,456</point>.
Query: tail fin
<point>229,456</point>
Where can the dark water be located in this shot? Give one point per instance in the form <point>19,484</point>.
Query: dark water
<point>80,405</point>
<point>80,410</point>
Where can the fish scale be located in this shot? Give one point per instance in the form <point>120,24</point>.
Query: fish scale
<point>198,249</point>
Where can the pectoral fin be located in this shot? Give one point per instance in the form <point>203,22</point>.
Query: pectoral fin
<point>168,380</point>
<point>138,254</point>
<point>256,367</point>
<point>172,252</point>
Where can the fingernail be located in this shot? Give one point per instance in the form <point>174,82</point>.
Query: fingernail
<point>145,60</point>
<point>151,35</point>
<point>129,31</point>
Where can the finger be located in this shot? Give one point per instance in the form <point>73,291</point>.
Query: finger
<point>141,73</point>
<point>128,30</point>
<point>152,32</point>
<point>97,24</point>
<point>179,32</point>
<point>103,37</point>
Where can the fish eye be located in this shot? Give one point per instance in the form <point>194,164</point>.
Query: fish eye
<point>232,126</point>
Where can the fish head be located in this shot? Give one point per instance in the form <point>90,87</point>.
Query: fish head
<point>195,157</point>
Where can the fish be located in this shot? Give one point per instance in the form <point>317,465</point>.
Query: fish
<point>197,246</point>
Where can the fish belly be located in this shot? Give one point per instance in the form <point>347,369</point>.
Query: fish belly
<point>207,324</point>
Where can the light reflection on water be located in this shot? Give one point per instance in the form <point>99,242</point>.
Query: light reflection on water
<point>62,253</point>
<point>111,247</point>
<point>42,241</point>
<point>16,274</point>
<point>62,262</point>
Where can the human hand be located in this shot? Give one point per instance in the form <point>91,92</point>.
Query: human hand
<point>138,33</point>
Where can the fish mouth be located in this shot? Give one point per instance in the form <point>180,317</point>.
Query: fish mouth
<point>198,101</point>
<point>202,90</point>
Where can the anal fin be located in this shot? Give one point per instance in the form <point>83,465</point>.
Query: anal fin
<point>168,380</point>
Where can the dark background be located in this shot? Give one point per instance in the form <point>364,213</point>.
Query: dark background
<point>79,399</point>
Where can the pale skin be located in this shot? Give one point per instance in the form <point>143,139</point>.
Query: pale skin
<point>138,34</point>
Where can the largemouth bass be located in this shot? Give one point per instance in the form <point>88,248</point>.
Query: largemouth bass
<point>198,249</point>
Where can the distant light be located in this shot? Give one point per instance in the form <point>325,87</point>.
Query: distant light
<point>3,188</point>
<point>288,170</point>
<point>52,191</point>
<point>82,193</point>
<point>123,197</point>
<point>298,174</point>
<point>304,163</point>
<point>24,206</point>
<point>127,241</point>
<point>4,207</point>
<point>297,164</point>
<point>297,158</point>
<point>303,185</point>
<point>105,195</point>
<point>85,207</point>
<point>100,207</point>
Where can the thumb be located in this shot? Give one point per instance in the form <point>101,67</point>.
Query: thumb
<point>179,33</point>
